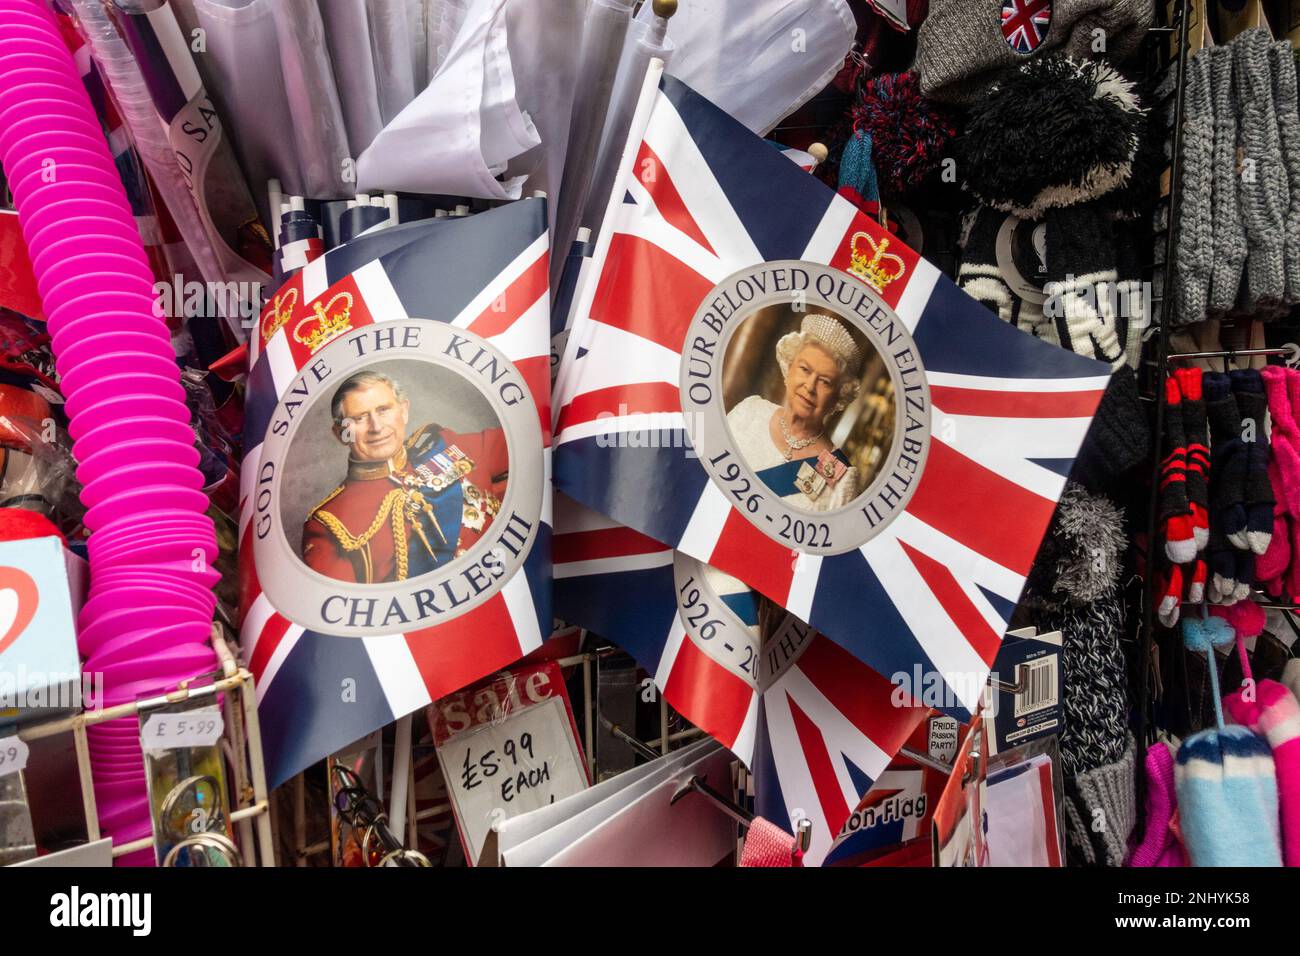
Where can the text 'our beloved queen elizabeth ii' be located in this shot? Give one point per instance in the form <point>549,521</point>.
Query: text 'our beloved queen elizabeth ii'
<point>814,403</point>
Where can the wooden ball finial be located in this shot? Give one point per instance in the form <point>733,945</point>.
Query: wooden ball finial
<point>819,152</point>
<point>664,8</point>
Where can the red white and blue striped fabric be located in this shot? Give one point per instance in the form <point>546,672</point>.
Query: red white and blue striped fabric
<point>619,584</point>
<point>487,274</point>
<point>817,730</point>
<point>935,589</point>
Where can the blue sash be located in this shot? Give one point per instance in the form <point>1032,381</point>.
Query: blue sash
<point>781,478</point>
<point>449,508</point>
<point>744,605</point>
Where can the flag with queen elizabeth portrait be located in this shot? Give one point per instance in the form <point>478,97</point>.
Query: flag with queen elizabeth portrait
<point>766,381</point>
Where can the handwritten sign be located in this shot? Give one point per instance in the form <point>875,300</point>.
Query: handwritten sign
<point>195,728</point>
<point>506,747</point>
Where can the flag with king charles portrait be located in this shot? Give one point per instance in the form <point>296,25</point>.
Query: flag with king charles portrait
<point>395,501</point>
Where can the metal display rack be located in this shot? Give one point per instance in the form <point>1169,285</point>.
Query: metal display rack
<point>241,745</point>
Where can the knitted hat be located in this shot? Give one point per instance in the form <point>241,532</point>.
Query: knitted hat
<point>1081,556</point>
<point>1094,694</point>
<point>1227,799</point>
<point>1159,846</point>
<point>1101,810</point>
<point>980,275</point>
<point>1119,438</point>
<point>1194,253</point>
<point>1054,132</point>
<point>1227,790</point>
<point>1271,710</point>
<point>1081,284</point>
<point>963,44</point>
<point>909,133</point>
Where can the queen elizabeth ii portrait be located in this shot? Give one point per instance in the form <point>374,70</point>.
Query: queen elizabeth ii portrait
<point>788,444</point>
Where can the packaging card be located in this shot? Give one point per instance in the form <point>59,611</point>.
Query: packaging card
<point>957,833</point>
<point>40,670</point>
<point>1023,699</point>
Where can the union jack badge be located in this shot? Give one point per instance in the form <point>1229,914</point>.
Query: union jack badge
<point>1025,24</point>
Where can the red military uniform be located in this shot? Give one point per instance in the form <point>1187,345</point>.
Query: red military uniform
<point>397,519</point>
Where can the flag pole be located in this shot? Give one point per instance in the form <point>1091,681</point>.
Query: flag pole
<point>583,296</point>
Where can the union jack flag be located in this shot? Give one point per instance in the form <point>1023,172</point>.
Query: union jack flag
<point>1025,23</point>
<point>817,726</point>
<point>934,589</point>
<point>488,274</point>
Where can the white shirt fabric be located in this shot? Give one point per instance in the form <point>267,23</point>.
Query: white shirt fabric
<point>749,423</point>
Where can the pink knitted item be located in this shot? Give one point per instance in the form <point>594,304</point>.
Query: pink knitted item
<point>1159,846</point>
<point>1291,676</point>
<point>1275,566</point>
<point>766,844</point>
<point>1271,710</point>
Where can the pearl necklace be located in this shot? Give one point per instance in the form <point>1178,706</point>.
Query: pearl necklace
<point>796,444</point>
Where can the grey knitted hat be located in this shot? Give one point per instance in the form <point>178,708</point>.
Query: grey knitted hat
<point>1264,191</point>
<point>961,45</point>
<point>1193,256</point>
<point>1101,810</point>
<point>1228,229</point>
<point>1288,129</point>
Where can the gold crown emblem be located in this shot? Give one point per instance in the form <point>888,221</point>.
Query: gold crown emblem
<point>874,269</point>
<point>278,313</point>
<point>329,323</point>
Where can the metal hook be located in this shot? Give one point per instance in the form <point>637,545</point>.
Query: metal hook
<point>694,783</point>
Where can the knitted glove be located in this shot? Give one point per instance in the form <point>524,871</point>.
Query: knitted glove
<point>1288,128</point>
<point>1258,500</point>
<point>1193,257</point>
<point>1264,191</point>
<point>1228,229</point>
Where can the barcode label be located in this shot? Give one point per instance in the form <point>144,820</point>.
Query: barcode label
<point>1038,678</point>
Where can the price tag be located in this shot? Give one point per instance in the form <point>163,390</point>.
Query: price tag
<point>195,728</point>
<point>13,755</point>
